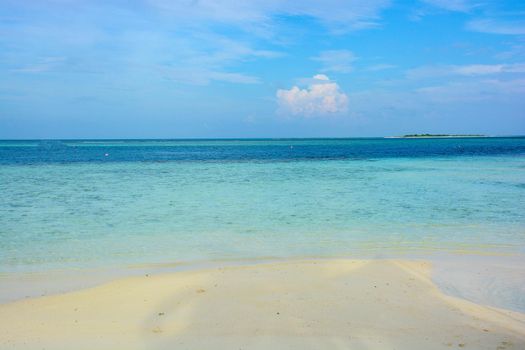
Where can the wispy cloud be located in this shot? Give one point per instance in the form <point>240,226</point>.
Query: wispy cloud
<point>339,61</point>
<point>339,14</point>
<point>321,98</point>
<point>493,26</point>
<point>488,16</point>
<point>479,90</point>
<point>515,50</point>
<point>454,5</point>
<point>440,99</point>
<point>465,70</point>
<point>197,76</point>
<point>213,60</point>
<point>195,42</point>
<point>380,67</point>
<point>199,66</point>
<point>42,65</point>
<point>431,7</point>
<point>190,53</point>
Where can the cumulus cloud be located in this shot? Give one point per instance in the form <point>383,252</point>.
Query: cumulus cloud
<point>322,97</point>
<point>336,61</point>
<point>321,77</point>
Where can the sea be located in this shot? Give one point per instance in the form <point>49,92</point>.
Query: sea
<point>97,203</point>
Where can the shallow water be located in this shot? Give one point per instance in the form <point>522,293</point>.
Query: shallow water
<point>89,204</point>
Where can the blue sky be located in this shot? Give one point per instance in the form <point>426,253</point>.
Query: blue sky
<point>226,68</point>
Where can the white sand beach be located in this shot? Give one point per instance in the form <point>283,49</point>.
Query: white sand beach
<point>307,304</point>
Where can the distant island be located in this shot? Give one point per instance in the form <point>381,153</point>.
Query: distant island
<point>414,136</point>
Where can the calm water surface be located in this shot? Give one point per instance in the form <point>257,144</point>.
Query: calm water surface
<point>119,202</point>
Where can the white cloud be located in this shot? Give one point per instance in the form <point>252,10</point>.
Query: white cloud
<point>196,42</point>
<point>234,78</point>
<point>339,61</point>
<point>465,70</point>
<point>484,69</point>
<point>339,14</point>
<point>453,5</point>
<point>514,50</point>
<point>197,76</point>
<point>215,58</point>
<point>321,77</point>
<point>438,6</point>
<point>497,26</point>
<point>479,90</point>
<point>380,67</point>
<point>45,64</point>
<point>322,97</point>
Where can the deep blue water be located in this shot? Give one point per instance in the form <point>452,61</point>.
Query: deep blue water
<point>66,151</point>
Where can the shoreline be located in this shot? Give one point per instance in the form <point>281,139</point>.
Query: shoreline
<point>494,279</point>
<point>297,303</point>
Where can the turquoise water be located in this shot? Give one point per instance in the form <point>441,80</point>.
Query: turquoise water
<point>118,203</point>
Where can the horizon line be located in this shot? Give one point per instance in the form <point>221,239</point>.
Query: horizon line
<point>253,138</point>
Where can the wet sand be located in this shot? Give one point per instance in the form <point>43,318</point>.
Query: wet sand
<point>310,304</point>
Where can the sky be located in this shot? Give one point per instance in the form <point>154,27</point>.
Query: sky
<point>260,68</point>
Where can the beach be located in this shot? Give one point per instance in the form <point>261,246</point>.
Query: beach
<point>259,244</point>
<point>262,175</point>
<point>301,304</point>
